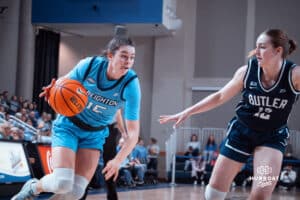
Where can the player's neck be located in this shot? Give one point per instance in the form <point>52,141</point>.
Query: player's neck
<point>272,71</point>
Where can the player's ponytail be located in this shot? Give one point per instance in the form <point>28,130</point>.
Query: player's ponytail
<point>251,53</point>
<point>293,46</point>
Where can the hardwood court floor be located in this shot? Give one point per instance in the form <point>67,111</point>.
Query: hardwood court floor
<point>190,192</point>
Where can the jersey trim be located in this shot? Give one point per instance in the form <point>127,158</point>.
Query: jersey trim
<point>247,73</point>
<point>89,68</point>
<point>277,81</point>
<point>122,91</point>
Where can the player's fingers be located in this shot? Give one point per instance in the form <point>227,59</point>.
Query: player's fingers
<point>165,119</point>
<point>52,82</point>
<point>109,174</point>
<point>42,94</point>
<point>178,122</point>
<point>104,171</point>
<point>116,175</point>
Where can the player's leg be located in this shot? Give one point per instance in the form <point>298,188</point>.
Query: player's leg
<point>222,176</point>
<point>60,181</point>
<point>64,146</point>
<point>87,158</point>
<point>86,163</point>
<point>109,152</point>
<point>234,152</point>
<point>267,165</point>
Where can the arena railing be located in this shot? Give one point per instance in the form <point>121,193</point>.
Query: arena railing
<point>19,123</point>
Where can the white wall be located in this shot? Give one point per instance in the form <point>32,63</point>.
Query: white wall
<point>26,51</point>
<point>9,23</point>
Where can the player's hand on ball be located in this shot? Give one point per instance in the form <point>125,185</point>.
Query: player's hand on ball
<point>46,90</point>
<point>111,169</point>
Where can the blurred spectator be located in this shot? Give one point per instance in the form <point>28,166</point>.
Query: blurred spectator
<point>189,157</point>
<point>288,177</point>
<point>5,100</point>
<point>25,104</point>
<point>5,131</point>
<point>33,119</point>
<point>2,111</point>
<point>16,133</point>
<point>3,103</point>
<point>33,108</point>
<point>193,147</point>
<point>14,105</point>
<point>140,158</point>
<point>125,168</point>
<point>21,100</point>
<point>210,148</point>
<point>140,152</point>
<point>198,169</point>
<point>153,153</point>
<point>45,120</point>
<point>194,144</point>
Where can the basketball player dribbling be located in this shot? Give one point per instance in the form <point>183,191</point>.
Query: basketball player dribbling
<point>270,85</point>
<point>77,141</point>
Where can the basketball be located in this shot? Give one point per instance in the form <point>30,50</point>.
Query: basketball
<point>68,97</point>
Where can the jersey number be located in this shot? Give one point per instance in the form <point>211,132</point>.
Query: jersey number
<point>95,108</point>
<point>263,113</point>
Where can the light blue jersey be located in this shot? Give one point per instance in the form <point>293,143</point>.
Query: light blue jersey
<point>105,97</point>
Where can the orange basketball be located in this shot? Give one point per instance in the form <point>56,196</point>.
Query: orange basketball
<point>68,97</point>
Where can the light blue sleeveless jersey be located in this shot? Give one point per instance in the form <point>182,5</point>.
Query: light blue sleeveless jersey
<point>105,97</point>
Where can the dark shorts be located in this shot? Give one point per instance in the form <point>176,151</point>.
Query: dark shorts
<point>241,140</point>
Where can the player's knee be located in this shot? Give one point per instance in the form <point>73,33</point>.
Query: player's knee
<point>79,187</point>
<point>62,186</point>
<point>214,194</point>
<point>59,182</point>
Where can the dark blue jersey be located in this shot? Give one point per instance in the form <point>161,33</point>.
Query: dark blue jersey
<point>266,109</point>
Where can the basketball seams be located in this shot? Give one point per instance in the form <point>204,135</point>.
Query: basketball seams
<point>68,89</point>
<point>66,103</point>
<point>65,98</point>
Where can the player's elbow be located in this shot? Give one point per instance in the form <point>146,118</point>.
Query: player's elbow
<point>218,98</point>
<point>133,137</point>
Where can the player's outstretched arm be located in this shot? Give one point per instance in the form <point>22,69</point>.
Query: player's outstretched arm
<point>232,88</point>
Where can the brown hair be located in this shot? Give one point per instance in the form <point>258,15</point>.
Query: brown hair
<point>120,39</point>
<point>279,38</point>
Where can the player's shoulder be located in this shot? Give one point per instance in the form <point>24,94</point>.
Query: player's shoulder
<point>95,59</point>
<point>241,71</point>
<point>131,74</point>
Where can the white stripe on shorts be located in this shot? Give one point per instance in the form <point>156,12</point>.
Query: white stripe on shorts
<point>235,149</point>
